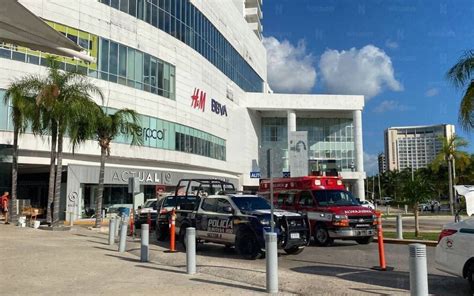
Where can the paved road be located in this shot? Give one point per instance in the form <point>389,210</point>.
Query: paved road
<point>80,262</point>
<point>344,268</point>
<point>40,262</point>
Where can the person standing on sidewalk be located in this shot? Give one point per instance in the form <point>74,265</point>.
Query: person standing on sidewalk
<point>4,205</point>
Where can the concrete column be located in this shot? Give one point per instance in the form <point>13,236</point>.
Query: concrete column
<point>291,121</point>
<point>359,153</point>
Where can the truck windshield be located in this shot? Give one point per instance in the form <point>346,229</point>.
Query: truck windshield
<point>250,203</point>
<point>335,198</point>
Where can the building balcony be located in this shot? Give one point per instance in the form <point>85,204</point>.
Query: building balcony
<point>253,15</point>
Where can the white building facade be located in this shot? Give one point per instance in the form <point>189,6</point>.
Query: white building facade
<point>195,71</point>
<point>414,147</point>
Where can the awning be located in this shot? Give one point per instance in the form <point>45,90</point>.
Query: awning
<point>20,26</point>
<point>468,192</point>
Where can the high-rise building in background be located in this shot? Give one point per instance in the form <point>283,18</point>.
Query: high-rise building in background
<point>196,72</point>
<point>414,146</point>
<point>382,163</point>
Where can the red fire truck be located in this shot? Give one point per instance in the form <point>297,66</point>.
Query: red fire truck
<point>334,213</point>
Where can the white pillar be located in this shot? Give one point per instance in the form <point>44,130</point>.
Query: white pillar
<point>359,153</point>
<point>291,121</point>
<point>291,127</point>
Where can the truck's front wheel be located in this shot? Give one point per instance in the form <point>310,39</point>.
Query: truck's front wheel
<point>246,245</point>
<point>294,250</point>
<point>321,236</point>
<point>365,240</point>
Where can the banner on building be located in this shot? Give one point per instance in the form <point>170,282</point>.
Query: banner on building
<point>298,153</point>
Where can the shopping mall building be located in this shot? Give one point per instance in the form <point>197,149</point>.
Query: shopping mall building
<point>196,72</point>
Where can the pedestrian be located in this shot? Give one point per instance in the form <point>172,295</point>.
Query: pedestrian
<point>4,205</point>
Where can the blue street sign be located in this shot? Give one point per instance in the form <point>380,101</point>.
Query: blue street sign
<point>255,175</point>
<point>286,175</point>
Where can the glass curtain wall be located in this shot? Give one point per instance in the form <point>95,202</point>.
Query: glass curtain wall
<point>182,20</point>
<point>329,139</point>
<point>115,62</point>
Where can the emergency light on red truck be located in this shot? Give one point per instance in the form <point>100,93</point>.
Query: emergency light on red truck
<point>334,213</point>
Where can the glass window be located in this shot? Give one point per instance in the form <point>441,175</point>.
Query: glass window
<point>124,5</point>
<point>221,206</point>
<point>114,3</point>
<point>123,61</point>
<point>306,199</point>
<point>154,15</point>
<point>209,204</point>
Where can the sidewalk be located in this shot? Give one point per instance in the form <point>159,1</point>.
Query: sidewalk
<point>75,263</point>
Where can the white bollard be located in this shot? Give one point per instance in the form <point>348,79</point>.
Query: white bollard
<point>399,227</point>
<point>111,231</point>
<point>190,250</point>
<point>418,270</point>
<point>271,261</point>
<point>123,237</point>
<point>117,226</point>
<point>144,250</point>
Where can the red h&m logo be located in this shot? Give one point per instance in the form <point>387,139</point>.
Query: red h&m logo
<point>198,99</point>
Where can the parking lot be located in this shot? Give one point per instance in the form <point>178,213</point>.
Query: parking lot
<point>344,268</point>
<point>82,262</point>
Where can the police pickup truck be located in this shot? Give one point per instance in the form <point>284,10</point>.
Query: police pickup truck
<point>222,216</point>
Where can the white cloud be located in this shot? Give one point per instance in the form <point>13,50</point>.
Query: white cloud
<point>392,44</point>
<point>367,71</point>
<point>371,164</point>
<point>432,92</point>
<point>389,105</point>
<point>290,68</point>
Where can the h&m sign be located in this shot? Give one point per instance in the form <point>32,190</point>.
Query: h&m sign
<point>198,101</point>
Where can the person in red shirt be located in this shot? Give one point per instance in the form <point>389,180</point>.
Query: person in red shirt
<point>4,205</point>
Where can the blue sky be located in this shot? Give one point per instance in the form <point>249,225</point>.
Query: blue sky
<point>395,51</point>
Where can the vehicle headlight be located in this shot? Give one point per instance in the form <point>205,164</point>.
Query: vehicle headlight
<point>265,221</point>
<point>340,217</point>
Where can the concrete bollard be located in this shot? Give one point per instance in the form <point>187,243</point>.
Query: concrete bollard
<point>190,250</point>
<point>271,262</point>
<point>123,237</point>
<point>399,227</point>
<point>71,219</point>
<point>111,231</point>
<point>418,270</point>
<point>144,250</point>
<point>118,222</point>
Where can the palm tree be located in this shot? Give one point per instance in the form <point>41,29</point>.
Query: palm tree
<point>108,127</point>
<point>23,107</point>
<point>448,155</point>
<point>416,190</point>
<point>460,75</point>
<point>63,98</point>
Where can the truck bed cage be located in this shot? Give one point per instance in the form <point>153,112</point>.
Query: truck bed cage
<point>203,187</point>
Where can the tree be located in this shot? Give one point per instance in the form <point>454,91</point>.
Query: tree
<point>63,99</point>
<point>415,191</point>
<point>449,155</point>
<point>108,127</point>
<point>22,112</point>
<point>460,75</point>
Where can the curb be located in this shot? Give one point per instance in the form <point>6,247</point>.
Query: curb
<point>429,243</point>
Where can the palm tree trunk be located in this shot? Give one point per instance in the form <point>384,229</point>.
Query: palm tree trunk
<point>59,168</point>
<point>52,174</point>
<point>100,191</point>
<point>417,223</point>
<point>13,215</point>
<point>451,198</point>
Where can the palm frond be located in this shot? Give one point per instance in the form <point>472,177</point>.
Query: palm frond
<point>460,74</point>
